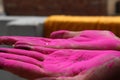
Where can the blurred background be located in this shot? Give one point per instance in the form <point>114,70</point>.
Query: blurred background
<point>11,8</point>
<point>1,7</point>
<point>68,7</point>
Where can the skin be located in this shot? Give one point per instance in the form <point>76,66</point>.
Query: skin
<point>25,63</point>
<point>89,39</point>
<point>103,72</point>
<point>64,34</point>
<point>63,61</point>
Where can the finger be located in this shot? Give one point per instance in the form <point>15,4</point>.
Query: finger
<point>22,69</point>
<point>33,41</point>
<point>40,49</point>
<point>59,34</point>
<point>21,58</point>
<point>33,54</point>
<point>9,40</point>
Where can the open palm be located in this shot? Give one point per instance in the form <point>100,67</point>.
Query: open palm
<point>58,65</point>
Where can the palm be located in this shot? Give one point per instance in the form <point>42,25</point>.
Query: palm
<point>33,65</point>
<point>55,60</point>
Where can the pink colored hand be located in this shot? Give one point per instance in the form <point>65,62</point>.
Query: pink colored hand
<point>58,65</point>
<point>90,39</point>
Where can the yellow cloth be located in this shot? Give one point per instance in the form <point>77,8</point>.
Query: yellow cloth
<point>78,23</point>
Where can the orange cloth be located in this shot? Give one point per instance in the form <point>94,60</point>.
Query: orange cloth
<point>78,23</point>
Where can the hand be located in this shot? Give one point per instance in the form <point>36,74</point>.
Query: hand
<point>83,35</point>
<point>89,41</point>
<point>59,65</point>
<point>11,40</point>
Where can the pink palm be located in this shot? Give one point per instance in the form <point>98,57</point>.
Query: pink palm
<point>33,65</point>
